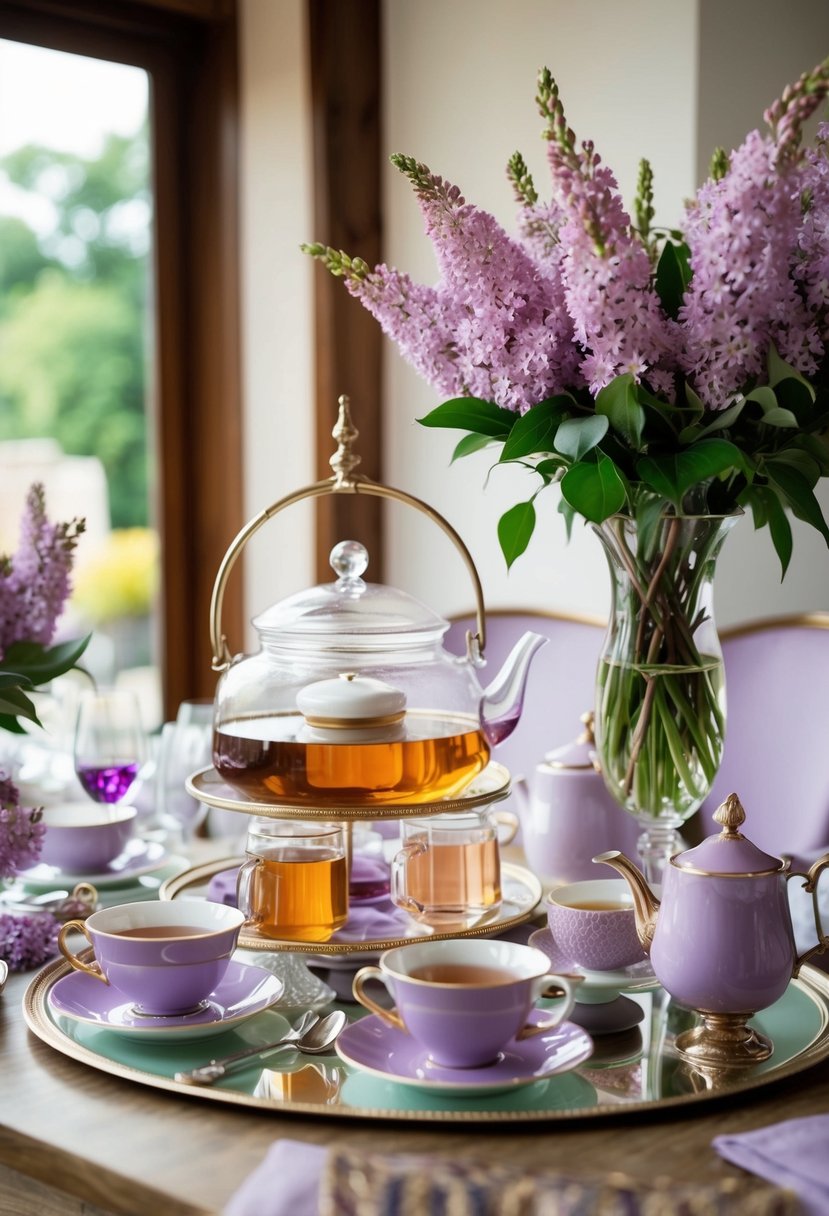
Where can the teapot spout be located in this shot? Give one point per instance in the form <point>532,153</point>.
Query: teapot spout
<point>503,699</point>
<point>645,903</point>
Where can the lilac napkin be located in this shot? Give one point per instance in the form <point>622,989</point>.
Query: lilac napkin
<point>285,1183</point>
<point>794,1155</point>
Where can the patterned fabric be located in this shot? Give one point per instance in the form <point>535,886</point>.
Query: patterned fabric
<point>357,1184</point>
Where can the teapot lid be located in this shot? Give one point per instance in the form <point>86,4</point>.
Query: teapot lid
<point>351,700</point>
<point>730,852</point>
<point>579,755</point>
<point>350,613</point>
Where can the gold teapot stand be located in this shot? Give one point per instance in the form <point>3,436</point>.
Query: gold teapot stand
<point>723,1040</point>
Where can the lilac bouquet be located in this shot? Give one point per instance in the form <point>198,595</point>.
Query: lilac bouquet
<point>640,368</point>
<point>34,586</point>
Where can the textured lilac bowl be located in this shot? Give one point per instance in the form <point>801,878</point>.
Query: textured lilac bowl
<point>597,939</point>
<point>83,838</point>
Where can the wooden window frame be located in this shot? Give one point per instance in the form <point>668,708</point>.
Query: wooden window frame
<point>190,50</point>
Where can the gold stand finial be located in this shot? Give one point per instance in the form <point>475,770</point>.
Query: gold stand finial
<point>730,816</point>
<point>344,461</point>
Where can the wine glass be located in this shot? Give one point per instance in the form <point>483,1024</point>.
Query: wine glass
<point>109,747</point>
<point>185,746</point>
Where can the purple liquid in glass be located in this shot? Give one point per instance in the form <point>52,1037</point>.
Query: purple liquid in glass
<point>107,782</point>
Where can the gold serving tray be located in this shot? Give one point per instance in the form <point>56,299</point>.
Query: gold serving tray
<point>651,1078</point>
<point>492,785</point>
<point>522,893</point>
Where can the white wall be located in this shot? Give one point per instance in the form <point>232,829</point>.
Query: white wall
<point>668,81</point>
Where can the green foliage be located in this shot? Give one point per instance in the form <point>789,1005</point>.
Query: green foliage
<point>26,665</point>
<point>630,452</point>
<point>72,313</point>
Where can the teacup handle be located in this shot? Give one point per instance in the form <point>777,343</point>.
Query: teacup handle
<point>552,986</point>
<point>810,886</point>
<point>92,968</point>
<point>398,893</point>
<point>244,883</point>
<point>509,822</point>
<point>390,1016</point>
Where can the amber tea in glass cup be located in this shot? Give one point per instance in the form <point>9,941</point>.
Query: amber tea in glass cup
<point>293,884</point>
<point>448,871</point>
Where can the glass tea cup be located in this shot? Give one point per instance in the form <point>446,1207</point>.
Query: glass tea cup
<point>293,884</point>
<point>448,871</point>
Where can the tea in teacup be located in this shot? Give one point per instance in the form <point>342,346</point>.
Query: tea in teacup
<point>463,1000</point>
<point>165,959</point>
<point>294,883</point>
<point>593,923</point>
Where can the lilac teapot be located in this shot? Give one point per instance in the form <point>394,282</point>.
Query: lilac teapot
<point>721,940</point>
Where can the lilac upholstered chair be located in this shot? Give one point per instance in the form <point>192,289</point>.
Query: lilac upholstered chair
<point>560,685</point>
<point>776,755</point>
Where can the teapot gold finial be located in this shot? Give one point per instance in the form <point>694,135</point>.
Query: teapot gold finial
<point>587,720</point>
<point>730,816</point>
<point>344,461</point>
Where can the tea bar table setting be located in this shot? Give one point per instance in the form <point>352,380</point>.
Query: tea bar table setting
<point>374,995</point>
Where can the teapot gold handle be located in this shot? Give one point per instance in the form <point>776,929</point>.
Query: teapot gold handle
<point>810,886</point>
<point>343,481</point>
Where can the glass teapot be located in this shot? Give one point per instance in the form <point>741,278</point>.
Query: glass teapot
<point>352,697</point>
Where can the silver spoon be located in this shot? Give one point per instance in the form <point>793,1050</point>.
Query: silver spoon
<point>316,1038</point>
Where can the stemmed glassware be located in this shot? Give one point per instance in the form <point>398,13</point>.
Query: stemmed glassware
<point>110,744</point>
<point>185,746</point>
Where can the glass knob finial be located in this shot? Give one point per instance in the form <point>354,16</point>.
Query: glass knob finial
<point>349,559</point>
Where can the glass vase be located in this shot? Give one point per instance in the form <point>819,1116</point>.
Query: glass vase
<point>660,693</point>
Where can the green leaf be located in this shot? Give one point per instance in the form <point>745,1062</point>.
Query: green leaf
<point>471,414</point>
<point>764,396</point>
<point>14,701</point>
<point>799,495</point>
<point>535,431</point>
<point>568,514</point>
<point>695,402</point>
<point>672,476</point>
<point>578,436</point>
<point>673,274</point>
<point>817,448</point>
<point>780,530</point>
<point>779,370</point>
<point>780,417</point>
<point>550,468</point>
<point>721,422</point>
<point>619,403</point>
<point>14,679</point>
<point>470,444</point>
<point>797,396</point>
<point>42,664</point>
<point>596,491</point>
<point>11,724</point>
<point>796,458</point>
<point>515,528</point>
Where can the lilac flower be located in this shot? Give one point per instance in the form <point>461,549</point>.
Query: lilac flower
<point>21,831</point>
<point>743,233</point>
<point>812,269</point>
<point>34,583</point>
<point>28,941</point>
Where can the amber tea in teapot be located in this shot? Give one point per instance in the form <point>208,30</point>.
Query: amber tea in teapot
<point>263,757</point>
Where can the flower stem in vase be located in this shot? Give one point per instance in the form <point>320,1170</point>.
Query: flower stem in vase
<point>660,703</point>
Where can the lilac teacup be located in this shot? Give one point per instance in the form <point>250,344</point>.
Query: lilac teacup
<point>83,838</point>
<point>593,923</point>
<point>166,958</point>
<point>463,1000</point>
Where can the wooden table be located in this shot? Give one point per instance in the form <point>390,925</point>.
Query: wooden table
<point>70,1134</point>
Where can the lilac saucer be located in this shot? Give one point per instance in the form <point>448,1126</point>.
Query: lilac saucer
<point>139,857</point>
<point>374,1047</point>
<point>243,992</point>
<point>637,978</point>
